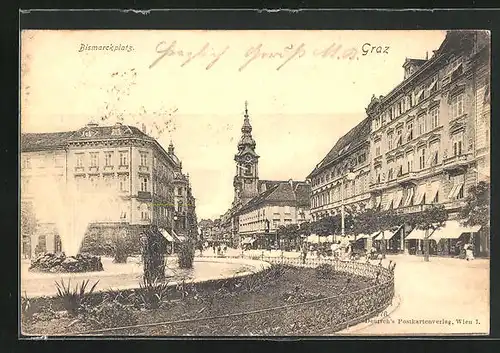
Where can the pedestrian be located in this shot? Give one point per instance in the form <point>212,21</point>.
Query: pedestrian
<point>218,250</point>
<point>304,254</point>
<point>213,246</point>
<point>225,248</point>
<point>469,254</point>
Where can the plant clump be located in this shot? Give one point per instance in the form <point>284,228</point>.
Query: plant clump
<point>186,255</point>
<point>58,262</point>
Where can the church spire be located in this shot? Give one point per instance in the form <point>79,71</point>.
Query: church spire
<point>246,130</point>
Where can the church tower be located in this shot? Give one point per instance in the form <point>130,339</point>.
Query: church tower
<point>247,172</point>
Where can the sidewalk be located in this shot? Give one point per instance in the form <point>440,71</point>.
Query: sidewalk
<point>442,296</point>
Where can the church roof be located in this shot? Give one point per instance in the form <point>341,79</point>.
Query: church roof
<point>344,145</point>
<point>294,193</point>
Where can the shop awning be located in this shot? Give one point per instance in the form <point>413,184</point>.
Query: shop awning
<point>418,234</point>
<point>408,198</point>
<point>397,199</point>
<point>176,237</point>
<point>313,238</point>
<point>388,235</point>
<point>433,191</point>
<point>388,205</point>
<point>455,189</point>
<point>420,194</point>
<point>247,241</point>
<point>452,230</point>
<point>166,235</point>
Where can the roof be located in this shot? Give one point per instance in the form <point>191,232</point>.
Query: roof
<point>44,141</point>
<point>296,193</point>
<point>344,145</point>
<point>54,140</point>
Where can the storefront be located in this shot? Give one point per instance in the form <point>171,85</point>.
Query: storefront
<point>450,239</point>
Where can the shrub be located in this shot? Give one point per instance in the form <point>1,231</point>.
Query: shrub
<point>154,248</point>
<point>152,295</point>
<point>110,314</point>
<point>27,310</point>
<point>73,299</point>
<point>185,256</point>
<point>325,271</point>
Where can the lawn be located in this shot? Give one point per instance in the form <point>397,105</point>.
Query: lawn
<point>281,286</point>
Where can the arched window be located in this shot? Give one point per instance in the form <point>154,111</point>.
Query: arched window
<point>144,212</point>
<point>248,169</point>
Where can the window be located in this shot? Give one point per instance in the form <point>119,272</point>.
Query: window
<point>108,159</point>
<point>179,191</point>
<point>409,159</point>
<point>457,106</point>
<point>124,159</point>
<point>94,161</point>
<point>390,174</point>
<point>421,124</point>
<point>422,158</point>
<point>287,210</point>
<point>434,118</point>
<point>409,129</point>
<point>457,145</point>
<point>124,183</point>
<point>390,138</point>
<point>144,184</point>
<point>457,189</point>
<point>433,157</point>
<point>433,87</point>
<point>399,141</point>
<point>144,159</point>
<point>180,206</point>
<point>79,160</point>
<point>377,148</point>
<point>144,212</point>
<point>362,158</point>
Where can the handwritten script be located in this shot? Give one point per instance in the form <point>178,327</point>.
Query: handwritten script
<point>210,55</point>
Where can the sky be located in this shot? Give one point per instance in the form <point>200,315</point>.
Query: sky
<point>305,89</point>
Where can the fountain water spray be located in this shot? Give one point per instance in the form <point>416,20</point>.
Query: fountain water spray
<point>72,209</point>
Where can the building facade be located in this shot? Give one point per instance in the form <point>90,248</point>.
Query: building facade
<point>330,188</point>
<point>113,178</point>
<point>427,140</point>
<point>260,206</point>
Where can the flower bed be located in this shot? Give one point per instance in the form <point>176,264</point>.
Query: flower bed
<point>282,300</point>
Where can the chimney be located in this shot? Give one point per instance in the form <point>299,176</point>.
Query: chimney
<point>143,127</point>
<point>426,55</point>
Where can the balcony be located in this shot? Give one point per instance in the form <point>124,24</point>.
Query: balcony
<point>412,209</point>
<point>144,195</point>
<point>407,178</point>
<point>457,163</point>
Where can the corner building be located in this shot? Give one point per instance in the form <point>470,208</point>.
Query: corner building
<point>428,142</point>
<point>118,160</point>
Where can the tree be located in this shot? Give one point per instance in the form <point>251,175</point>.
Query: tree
<point>476,211</point>
<point>28,224</point>
<point>430,218</point>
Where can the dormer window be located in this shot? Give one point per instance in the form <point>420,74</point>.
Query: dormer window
<point>87,133</point>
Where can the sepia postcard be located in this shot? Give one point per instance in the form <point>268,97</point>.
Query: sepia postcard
<point>254,183</point>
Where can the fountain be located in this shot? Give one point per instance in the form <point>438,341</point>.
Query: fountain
<point>72,209</point>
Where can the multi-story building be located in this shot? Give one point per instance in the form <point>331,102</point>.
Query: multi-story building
<point>261,206</point>
<point>128,176</point>
<point>428,138</point>
<point>184,201</point>
<point>330,187</point>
